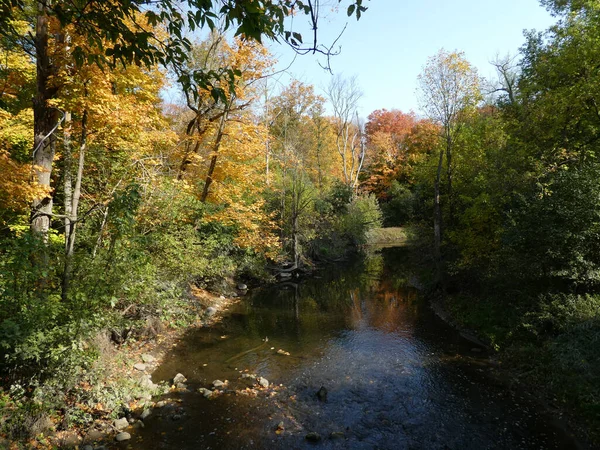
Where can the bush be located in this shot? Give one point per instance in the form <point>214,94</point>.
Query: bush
<point>362,214</point>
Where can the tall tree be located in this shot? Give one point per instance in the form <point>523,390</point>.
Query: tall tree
<point>344,95</point>
<point>449,89</point>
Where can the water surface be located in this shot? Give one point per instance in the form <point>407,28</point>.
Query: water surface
<point>396,376</point>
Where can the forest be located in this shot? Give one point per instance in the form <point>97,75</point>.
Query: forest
<point>116,206</point>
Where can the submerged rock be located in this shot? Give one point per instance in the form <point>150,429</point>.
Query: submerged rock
<point>263,382</point>
<point>123,436</point>
<point>313,437</point>
<point>322,394</point>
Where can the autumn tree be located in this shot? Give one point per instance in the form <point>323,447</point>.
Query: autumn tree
<point>120,35</point>
<point>449,90</point>
<point>388,146</point>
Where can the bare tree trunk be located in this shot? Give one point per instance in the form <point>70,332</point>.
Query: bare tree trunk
<point>72,216</point>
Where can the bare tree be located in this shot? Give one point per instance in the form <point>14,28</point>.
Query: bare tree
<point>508,76</point>
<point>344,95</point>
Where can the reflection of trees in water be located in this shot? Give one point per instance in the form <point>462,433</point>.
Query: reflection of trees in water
<point>335,299</point>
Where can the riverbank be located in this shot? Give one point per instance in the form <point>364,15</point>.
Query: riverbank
<point>112,395</point>
<point>552,368</point>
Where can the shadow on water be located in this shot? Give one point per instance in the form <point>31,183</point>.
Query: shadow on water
<point>396,376</point>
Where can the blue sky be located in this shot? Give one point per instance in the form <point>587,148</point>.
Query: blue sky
<point>387,48</point>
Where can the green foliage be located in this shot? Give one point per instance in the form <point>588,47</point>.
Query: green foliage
<point>400,207</point>
<point>363,213</point>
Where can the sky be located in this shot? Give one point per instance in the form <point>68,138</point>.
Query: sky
<point>388,47</point>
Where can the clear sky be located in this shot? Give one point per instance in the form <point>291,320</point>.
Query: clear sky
<point>388,47</point>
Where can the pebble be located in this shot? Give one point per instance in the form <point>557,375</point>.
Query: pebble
<point>140,366</point>
<point>210,311</point>
<point>207,393</point>
<point>263,382</point>
<point>121,424</point>
<point>179,378</point>
<point>148,358</point>
<point>242,287</point>
<point>123,436</point>
<point>219,384</point>
<point>161,404</point>
<point>87,447</point>
<point>145,414</point>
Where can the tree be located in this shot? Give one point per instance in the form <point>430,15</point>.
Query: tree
<point>449,91</point>
<point>344,95</point>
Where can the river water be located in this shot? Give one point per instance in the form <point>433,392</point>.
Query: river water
<point>396,376</point>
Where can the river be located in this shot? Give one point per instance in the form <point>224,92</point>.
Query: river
<point>396,376</point>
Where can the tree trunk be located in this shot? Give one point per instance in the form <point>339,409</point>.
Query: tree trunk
<point>72,215</point>
<point>45,121</point>
<point>437,216</point>
<point>215,154</point>
<point>449,181</point>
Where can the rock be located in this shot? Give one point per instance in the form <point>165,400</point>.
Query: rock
<point>161,404</point>
<point>337,435</point>
<point>145,414</point>
<point>123,436</point>
<point>94,435</point>
<point>249,375</point>
<point>181,386</point>
<point>210,311</point>
<point>242,287</point>
<point>322,394</point>
<point>87,447</point>
<point>285,275</point>
<point>283,352</point>
<point>207,393</point>
<point>263,382</point>
<point>121,424</point>
<point>313,437</point>
<point>179,378</point>
<point>146,383</point>
<point>139,424</point>
<point>71,439</point>
<point>234,295</point>
<point>148,359</point>
<point>222,297</point>
<point>219,384</point>
<point>140,366</point>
